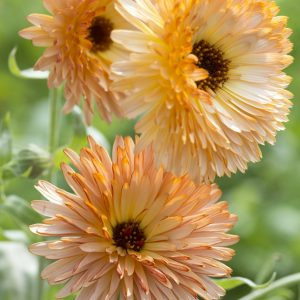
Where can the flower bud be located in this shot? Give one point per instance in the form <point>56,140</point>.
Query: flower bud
<point>30,162</point>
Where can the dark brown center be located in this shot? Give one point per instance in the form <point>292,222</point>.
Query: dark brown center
<point>129,236</point>
<point>212,60</point>
<point>99,33</point>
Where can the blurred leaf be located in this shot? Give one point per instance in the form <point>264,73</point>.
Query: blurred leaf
<point>267,268</point>
<point>29,73</point>
<point>281,294</point>
<point>16,236</point>
<point>28,163</point>
<point>20,209</point>
<point>18,272</point>
<point>78,122</point>
<point>273,288</point>
<point>79,142</point>
<point>59,157</point>
<point>53,290</point>
<point>5,140</point>
<point>123,127</point>
<point>2,236</point>
<point>234,282</point>
<point>74,135</point>
<point>98,137</point>
<point>290,221</point>
<point>73,130</point>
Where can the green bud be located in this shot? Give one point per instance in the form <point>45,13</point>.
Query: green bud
<point>30,163</point>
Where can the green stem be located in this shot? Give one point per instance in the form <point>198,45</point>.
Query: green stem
<point>286,281</point>
<point>54,95</point>
<point>2,190</point>
<point>53,131</point>
<point>40,291</point>
<point>53,119</point>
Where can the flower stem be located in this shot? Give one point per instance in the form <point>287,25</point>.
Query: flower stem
<point>286,281</point>
<point>40,290</point>
<point>53,131</point>
<point>54,95</point>
<point>2,190</point>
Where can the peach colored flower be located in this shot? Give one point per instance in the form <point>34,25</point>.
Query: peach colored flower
<point>79,51</point>
<point>132,229</point>
<point>207,77</point>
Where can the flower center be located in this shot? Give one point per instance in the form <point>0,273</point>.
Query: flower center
<point>212,60</point>
<point>129,236</point>
<point>99,33</point>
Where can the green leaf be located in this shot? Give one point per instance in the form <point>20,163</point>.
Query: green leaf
<point>234,282</point>
<point>20,209</point>
<point>98,137</point>
<point>272,288</point>
<point>5,140</point>
<point>53,290</point>
<point>15,236</point>
<point>2,236</point>
<point>281,294</point>
<point>72,130</point>
<point>78,122</point>
<point>28,73</point>
<point>73,134</point>
<point>267,268</point>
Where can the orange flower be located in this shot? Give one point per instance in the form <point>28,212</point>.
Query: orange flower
<point>132,230</point>
<point>207,75</point>
<point>79,51</point>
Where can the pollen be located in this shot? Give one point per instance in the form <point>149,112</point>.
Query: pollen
<point>129,236</point>
<point>99,33</point>
<point>212,60</point>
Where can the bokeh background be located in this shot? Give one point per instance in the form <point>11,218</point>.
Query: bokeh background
<point>267,198</point>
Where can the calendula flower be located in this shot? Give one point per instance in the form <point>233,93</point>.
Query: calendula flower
<point>207,76</point>
<point>79,51</point>
<point>132,230</point>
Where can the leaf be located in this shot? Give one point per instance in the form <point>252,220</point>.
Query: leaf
<point>53,290</point>
<point>5,141</point>
<point>2,236</point>
<point>281,294</point>
<point>72,128</point>
<point>267,268</point>
<point>28,73</point>
<point>20,209</point>
<point>234,282</point>
<point>98,137</point>
<point>15,236</point>
<point>78,122</point>
<point>273,288</point>
<point>73,134</point>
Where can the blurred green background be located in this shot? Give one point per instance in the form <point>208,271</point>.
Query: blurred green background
<point>266,198</point>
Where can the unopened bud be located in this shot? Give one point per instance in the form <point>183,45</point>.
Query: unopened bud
<point>31,162</point>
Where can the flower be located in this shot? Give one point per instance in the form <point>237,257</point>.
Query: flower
<point>207,77</point>
<point>79,51</point>
<point>132,229</point>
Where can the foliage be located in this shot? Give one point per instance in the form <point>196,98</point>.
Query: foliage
<point>266,198</point>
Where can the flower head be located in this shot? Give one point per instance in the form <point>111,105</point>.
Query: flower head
<point>207,76</point>
<point>79,51</point>
<point>132,229</point>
